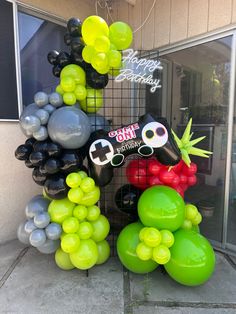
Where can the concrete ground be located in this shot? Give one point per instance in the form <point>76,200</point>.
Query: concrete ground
<point>30,282</point>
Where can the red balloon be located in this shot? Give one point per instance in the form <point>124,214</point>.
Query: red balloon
<point>136,172</point>
<point>180,191</point>
<point>154,181</point>
<point>183,186</point>
<point>191,170</point>
<point>154,167</point>
<point>183,179</point>
<point>167,176</point>
<point>175,181</point>
<point>177,168</point>
<point>192,180</point>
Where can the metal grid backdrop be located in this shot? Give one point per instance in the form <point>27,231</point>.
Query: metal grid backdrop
<point>124,103</point>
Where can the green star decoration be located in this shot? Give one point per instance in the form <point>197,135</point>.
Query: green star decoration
<point>186,145</point>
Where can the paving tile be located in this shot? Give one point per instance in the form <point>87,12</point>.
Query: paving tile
<point>186,310</point>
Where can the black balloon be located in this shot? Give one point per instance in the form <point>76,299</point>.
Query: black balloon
<point>38,177</point>
<point>30,141</point>
<point>95,79</point>
<point>23,151</point>
<point>126,199</point>
<point>74,27</point>
<point>56,70</point>
<point>52,165</point>
<point>76,45</point>
<point>40,146</point>
<point>37,158</point>
<point>52,57</point>
<point>53,149</point>
<point>63,59</point>
<point>67,39</point>
<point>71,161</point>
<point>28,164</point>
<point>55,187</point>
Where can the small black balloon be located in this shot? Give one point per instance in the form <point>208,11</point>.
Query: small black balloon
<point>55,187</point>
<point>95,79</point>
<point>52,165</point>
<point>56,70</point>
<point>54,149</point>
<point>23,151</point>
<point>30,141</point>
<point>28,164</point>
<point>63,59</point>
<point>71,161</point>
<point>38,177</point>
<point>67,39</point>
<point>52,57</point>
<point>37,158</point>
<point>40,146</point>
<point>126,199</point>
<point>76,45</point>
<point>43,170</point>
<point>77,58</point>
<point>74,27</point>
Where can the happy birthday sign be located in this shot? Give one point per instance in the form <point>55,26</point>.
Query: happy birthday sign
<point>139,70</point>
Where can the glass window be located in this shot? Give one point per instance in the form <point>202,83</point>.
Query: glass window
<point>37,38</point>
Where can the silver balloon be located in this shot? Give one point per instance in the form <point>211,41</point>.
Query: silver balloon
<point>41,99</point>
<point>41,134</point>
<point>30,226</point>
<point>43,116</point>
<point>98,122</point>
<point>69,127</point>
<point>36,205</point>
<point>29,110</point>
<point>41,220</point>
<point>56,99</point>
<point>49,247</point>
<point>49,108</point>
<point>37,237</point>
<point>30,123</point>
<point>22,236</point>
<point>53,231</point>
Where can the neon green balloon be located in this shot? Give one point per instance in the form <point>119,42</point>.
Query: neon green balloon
<point>59,90</point>
<point>46,196</point>
<point>191,211</point>
<point>70,242</point>
<point>127,242</point>
<point>187,225</point>
<point>102,44</point>
<point>62,260</point>
<point>143,251</point>
<point>142,232</point>
<point>87,53</point>
<point>80,92</point>
<point>197,220</point>
<point>167,238</point>
<point>93,27</point>
<point>82,174</point>
<point>161,207</point>
<point>87,185</point>
<point>121,35</point>
<point>93,102</point>
<point>59,210</point>
<point>74,71</point>
<point>103,70</point>
<point>62,235</point>
<point>73,180</point>
<point>103,252</point>
<point>99,60</point>
<point>80,212</point>
<point>69,98</point>
<point>70,225</point>
<point>67,84</point>
<point>152,237</point>
<point>101,228</point>
<point>114,59</point>
<point>196,228</point>
<point>85,230</point>
<point>75,195</point>
<point>93,213</point>
<point>86,256</point>
<point>192,259</point>
<point>161,254</point>
<point>91,198</point>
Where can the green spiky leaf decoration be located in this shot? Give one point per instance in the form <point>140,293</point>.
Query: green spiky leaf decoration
<point>186,145</point>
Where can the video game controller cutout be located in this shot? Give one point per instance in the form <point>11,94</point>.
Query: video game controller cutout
<point>146,137</point>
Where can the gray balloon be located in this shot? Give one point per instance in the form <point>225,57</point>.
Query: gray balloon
<point>29,110</point>
<point>43,116</point>
<point>22,236</point>
<point>30,123</point>
<point>49,247</point>
<point>37,237</point>
<point>41,99</point>
<point>98,122</point>
<point>30,226</point>
<point>36,205</point>
<point>69,127</point>
<point>41,220</point>
<point>49,108</point>
<point>53,231</point>
<point>77,105</point>
<point>56,99</point>
<point>41,134</point>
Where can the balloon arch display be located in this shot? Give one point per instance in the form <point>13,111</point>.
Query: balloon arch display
<point>73,151</point>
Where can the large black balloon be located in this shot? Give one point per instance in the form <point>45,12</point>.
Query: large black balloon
<point>30,141</point>
<point>56,70</point>
<point>52,57</point>
<point>77,58</point>
<point>77,45</point>
<point>63,59</point>
<point>126,199</point>
<point>74,27</point>
<point>71,161</point>
<point>23,151</point>
<point>54,149</point>
<point>38,177</point>
<point>52,165</point>
<point>37,158</point>
<point>67,39</point>
<point>55,187</point>
<point>40,146</point>
<point>95,79</point>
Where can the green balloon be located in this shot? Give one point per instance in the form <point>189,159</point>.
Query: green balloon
<point>70,242</point>
<point>127,242</point>
<point>90,198</point>
<point>69,98</point>
<point>85,230</point>
<point>101,228</point>
<point>59,210</point>
<point>86,256</point>
<point>70,225</point>
<point>93,102</point>
<point>74,71</point>
<point>73,180</point>
<point>93,27</point>
<point>120,35</point>
<point>62,260</point>
<point>161,207</point>
<point>196,228</point>
<point>103,252</point>
<point>192,258</point>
